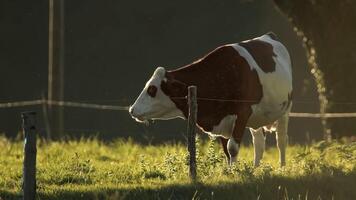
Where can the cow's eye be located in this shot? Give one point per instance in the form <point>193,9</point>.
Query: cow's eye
<point>152,90</point>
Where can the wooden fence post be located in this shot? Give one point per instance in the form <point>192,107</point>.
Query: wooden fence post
<point>192,118</point>
<point>29,163</point>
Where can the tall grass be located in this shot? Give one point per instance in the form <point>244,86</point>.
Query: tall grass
<point>123,169</point>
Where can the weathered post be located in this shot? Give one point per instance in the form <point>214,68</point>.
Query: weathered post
<point>192,118</point>
<point>29,164</point>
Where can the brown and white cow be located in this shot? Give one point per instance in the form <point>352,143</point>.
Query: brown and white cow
<point>246,84</point>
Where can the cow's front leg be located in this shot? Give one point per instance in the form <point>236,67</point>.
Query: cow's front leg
<point>233,145</point>
<point>224,145</point>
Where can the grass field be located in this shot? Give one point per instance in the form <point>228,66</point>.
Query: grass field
<point>90,169</point>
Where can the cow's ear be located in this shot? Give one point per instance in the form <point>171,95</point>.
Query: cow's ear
<point>160,72</point>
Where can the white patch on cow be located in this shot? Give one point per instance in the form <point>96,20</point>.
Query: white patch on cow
<point>158,107</point>
<point>275,85</point>
<point>224,128</point>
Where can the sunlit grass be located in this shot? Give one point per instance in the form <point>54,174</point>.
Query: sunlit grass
<point>123,169</point>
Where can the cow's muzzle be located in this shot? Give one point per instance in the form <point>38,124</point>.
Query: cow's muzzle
<point>135,116</point>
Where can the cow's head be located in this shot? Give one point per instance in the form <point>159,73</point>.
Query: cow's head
<point>153,103</point>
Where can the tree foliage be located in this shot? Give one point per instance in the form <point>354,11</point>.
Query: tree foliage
<point>328,31</point>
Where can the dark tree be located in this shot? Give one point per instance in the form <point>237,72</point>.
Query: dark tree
<point>328,29</point>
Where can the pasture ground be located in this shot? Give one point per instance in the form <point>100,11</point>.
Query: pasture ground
<point>123,169</point>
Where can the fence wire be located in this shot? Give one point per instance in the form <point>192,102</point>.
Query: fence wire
<point>86,105</point>
<point>126,108</point>
<point>64,104</point>
<point>21,103</point>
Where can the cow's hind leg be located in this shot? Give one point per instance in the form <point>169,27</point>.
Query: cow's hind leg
<point>224,145</point>
<point>258,140</point>
<point>282,138</point>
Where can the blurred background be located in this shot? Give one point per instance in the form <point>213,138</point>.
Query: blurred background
<point>105,51</point>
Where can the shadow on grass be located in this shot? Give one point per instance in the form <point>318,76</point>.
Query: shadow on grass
<point>338,186</point>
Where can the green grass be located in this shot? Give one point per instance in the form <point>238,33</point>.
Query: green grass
<point>90,169</point>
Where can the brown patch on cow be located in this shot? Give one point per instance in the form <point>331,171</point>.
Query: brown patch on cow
<point>222,74</point>
<point>262,53</point>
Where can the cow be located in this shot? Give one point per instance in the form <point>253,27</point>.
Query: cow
<point>241,85</point>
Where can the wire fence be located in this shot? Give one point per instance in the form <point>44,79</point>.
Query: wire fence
<point>63,104</point>
<point>125,108</point>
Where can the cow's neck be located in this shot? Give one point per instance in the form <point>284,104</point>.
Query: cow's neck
<point>207,87</point>
<point>183,77</point>
<point>189,74</point>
